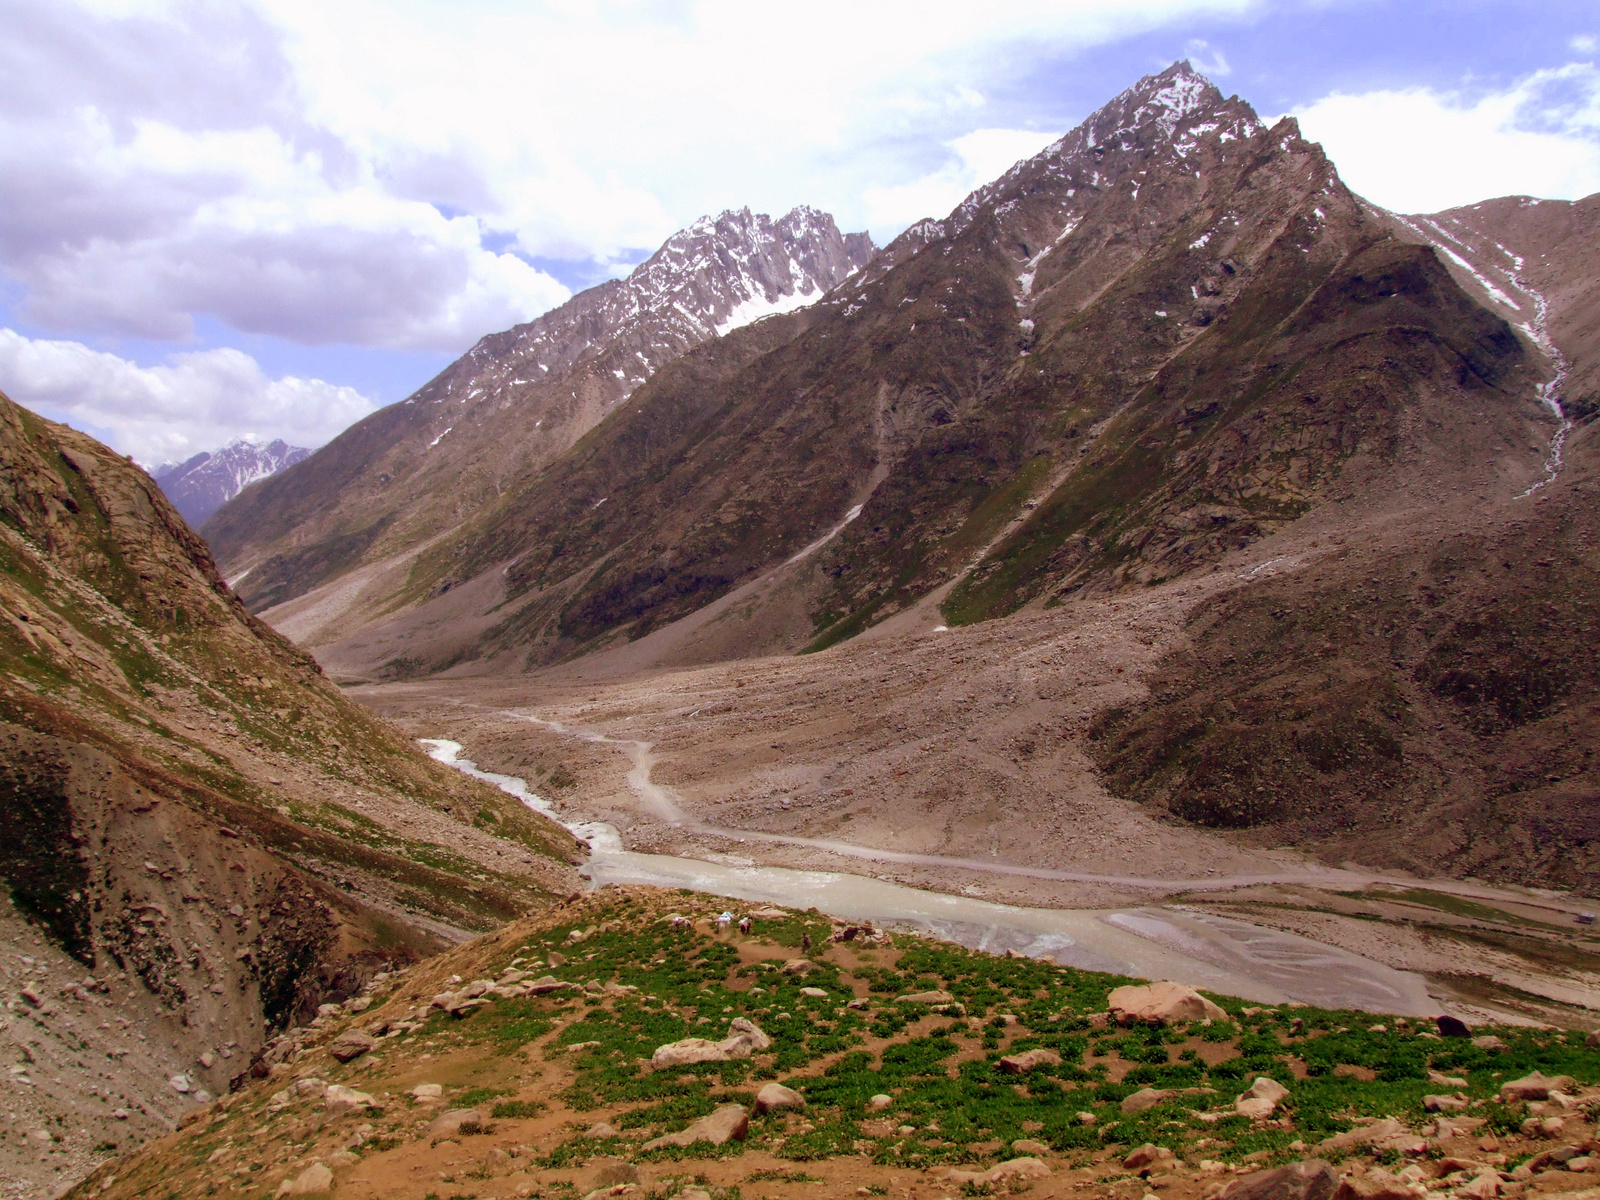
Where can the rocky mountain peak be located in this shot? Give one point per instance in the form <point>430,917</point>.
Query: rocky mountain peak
<point>203,483</point>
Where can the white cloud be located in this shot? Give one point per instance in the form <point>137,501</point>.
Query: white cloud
<point>1418,150</point>
<point>975,159</point>
<point>1584,43</point>
<point>197,401</point>
<point>338,172</point>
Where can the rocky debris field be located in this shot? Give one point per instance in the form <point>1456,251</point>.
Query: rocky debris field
<point>631,1043</point>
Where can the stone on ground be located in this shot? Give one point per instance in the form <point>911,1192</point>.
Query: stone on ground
<point>1312,1179</point>
<point>774,1097</point>
<point>1028,1060</point>
<point>1146,1155</point>
<point>314,1179</point>
<point>729,1123</point>
<point>351,1044</point>
<point>1535,1086</point>
<point>448,1124</point>
<point>1164,1003</point>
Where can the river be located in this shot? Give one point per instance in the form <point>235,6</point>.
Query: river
<point>1151,942</point>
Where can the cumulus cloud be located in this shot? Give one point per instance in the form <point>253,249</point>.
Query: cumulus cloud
<point>195,401</point>
<point>974,159</point>
<point>383,174</point>
<point>1418,150</point>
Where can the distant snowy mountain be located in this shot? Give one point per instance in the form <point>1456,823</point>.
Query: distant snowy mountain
<point>398,479</point>
<point>200,485</point>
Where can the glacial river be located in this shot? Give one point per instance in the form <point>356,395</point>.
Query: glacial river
<point>1152,942</point>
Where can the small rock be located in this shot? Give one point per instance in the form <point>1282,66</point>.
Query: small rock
<point>1265,1088</point>
<point>1311,1179</point>
<point>600,1131</point>
<point>879,1102</point>
<point>496,1158</point>
<point>1143,1099</point>
<point>1145,1155</point>
<point>1027,1146</point>
<point>207,1059</point>
<point>1593,1040</point>
<point>1488,1042</point>
<point>339,1097</point>
<point>1535,1086</point>
<point>1447,1080</point>
<point>426,1093</point>
<point>1453,1027</point>
<point>1444,1103</point>
<point>1085,1118</point>
<point>315,1178</point>
<point>1484,1187</point>
<point>1254,1107</point>
<point>1028,1060</point>
<point>774,1097</point>
<point>939,997</point>
<point>343,1158</point>
<point>729,1123</point>
<point>799,966</point>
<point>179,1083</point>
<point>448,1124</point>
<point>351,1044</point>
<point>815,993</point>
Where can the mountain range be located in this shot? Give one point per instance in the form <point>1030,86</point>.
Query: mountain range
<point>203,483</point>
<point>1252,518</point>
<point>1170,337</point>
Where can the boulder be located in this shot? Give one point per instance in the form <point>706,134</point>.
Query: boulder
<point>1378,1184</point>
<point>1265,1088</point>
<point>1365,1135</point>
<point>879,1102</point>
<point>1163,1003</point>
<point>1026,1167</point>
<point>426,1093</point>
<point>1438,1103</point>
<point>728,1124</point>
<point>1013,1170</point>
<point>1453,1027</point>
<point>1254,1107</point>
<point>1029,1060</point>
<point>448,1124</point>
<point>1488,1042</point>
<point>314,1179</point>
<point>338,1097</point>
<point>1593,1040</point>
<point>799,966</point>
<point>1535,1086</point>
<point>940,997</point>
<point>1312,1179</point>
<point>351,1044</point>
<point>814,992</point>
<point>774,1097</point>
<point>744,1039</point>
<point>1484,1186</point>
<point>1147,1155</point>
<point>687,1051</point>
<point>546,984</point>
<point>1143,1099</point>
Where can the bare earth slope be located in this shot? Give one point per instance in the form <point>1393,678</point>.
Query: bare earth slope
<point>515,401</point>
<point>203,840</point>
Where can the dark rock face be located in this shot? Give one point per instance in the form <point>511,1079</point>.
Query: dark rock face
<point>200,485</point>
<point>519,398</point>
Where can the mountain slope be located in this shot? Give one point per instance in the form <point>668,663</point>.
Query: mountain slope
<point>518,399</point>
<point>200,485</point>
<point>1169,334</point>
<point>203,839</point>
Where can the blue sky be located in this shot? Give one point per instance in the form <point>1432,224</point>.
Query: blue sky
<point>265,219</point>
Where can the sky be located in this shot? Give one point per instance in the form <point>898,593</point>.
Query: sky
<point>267,218</point>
